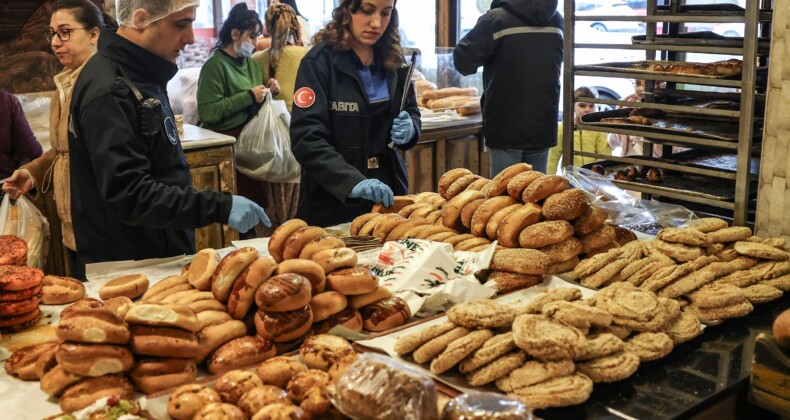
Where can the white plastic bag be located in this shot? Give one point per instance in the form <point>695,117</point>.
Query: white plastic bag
<point>263,149</point>
<point>24,221</point>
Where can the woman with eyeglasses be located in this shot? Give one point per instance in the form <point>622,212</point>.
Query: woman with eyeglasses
<point>231,90</point>
<point>73,35</point>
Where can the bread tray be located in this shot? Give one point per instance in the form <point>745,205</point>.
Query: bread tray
<point>703,38</point>
<point>676,182</point>
<point>705,9</point>
<point>674,123</point>
<point>643,66</point>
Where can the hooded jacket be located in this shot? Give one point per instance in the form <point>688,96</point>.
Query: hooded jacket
<point>519,44</point>
<point>131,195</point>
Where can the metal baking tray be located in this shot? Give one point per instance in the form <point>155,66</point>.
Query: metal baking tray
<point>702,38</point>
<point>701,126</point>
<point>712,160</point>
<point>677,182</point>
<point>643,65</point>
<point>727,8</point>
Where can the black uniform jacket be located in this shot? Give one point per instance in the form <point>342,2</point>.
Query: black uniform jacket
<point>330,129</point>
<point>519,45</point>
<point>131,196</point>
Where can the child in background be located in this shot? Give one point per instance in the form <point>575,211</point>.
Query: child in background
<point>583,141</point>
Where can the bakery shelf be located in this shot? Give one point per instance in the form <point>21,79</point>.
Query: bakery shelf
<point>714,164</point>
<point>667,47</point>
<point>689,109</point>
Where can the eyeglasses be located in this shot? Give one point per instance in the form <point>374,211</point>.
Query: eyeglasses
<point>62,34</point>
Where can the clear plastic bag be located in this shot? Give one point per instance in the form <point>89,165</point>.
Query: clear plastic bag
<point>23,220</point>
<point>378,387</point>
<point>263,149</point>
<point>623,208</point>
<point>485,405</point>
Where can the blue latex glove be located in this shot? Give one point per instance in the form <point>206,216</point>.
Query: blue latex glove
<point>402,128</point>
<point>245,214</point>
<point>373,190</point>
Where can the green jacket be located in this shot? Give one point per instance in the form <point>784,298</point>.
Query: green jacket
<point>224,98</point>
<point>587,141</point>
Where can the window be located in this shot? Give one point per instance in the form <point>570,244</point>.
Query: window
<point>417,24</point>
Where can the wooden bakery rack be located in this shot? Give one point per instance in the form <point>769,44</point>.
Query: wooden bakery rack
<point>747,90</point>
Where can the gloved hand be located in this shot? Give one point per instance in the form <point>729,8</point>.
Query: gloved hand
<point>402,128</point>
<point>245,214</point>
<point>373,190</point>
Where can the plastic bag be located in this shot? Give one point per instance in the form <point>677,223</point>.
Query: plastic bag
<point>378,387</point>
<point>485,405</point>
<point>263,149</point>
<point>24,221</point>
<point>623,208</point>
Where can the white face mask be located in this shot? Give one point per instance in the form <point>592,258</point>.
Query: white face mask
<point>245,49</point>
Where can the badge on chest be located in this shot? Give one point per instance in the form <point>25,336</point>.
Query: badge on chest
<point>341,106</point>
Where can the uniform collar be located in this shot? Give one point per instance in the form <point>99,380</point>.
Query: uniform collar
<point>136,59</point>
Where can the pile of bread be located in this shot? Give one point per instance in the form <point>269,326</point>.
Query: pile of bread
<point>723,68</point>
<point>466,101</point>
<point>549,352</point>
<point>542,225</point>
<point>279,388</point>
<point>718,271</point>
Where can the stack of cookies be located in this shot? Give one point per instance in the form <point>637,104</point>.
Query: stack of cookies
<point>163,338</point>
<point>20,295</point>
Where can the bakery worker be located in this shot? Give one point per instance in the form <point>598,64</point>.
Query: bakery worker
<point>132,194</point>
<point>519,45</point>
<point>347,122</point>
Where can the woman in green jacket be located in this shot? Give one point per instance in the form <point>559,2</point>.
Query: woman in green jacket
<point>231,90</point>
<point>583,141</point>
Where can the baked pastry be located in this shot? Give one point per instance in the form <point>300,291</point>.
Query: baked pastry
<point>358,301</point>
<point>301,237</point>
<point>649,346</point>
<point>13,250</point>
<point>458,349</point>
<point>16,278</point>
<point>409,343</point>
<point>623,236</point>
<point>177,316</point>
<point>624,175</point>
<point>94,359</point>
<point>348,318</point>
<point>632,307</point>
<point>22,362</point>
<point>498,185</point>
<point>544,187</point>
<point>534,372</point>
<point>566,205</point>
<point>398,202</point>
<point>509,231</point>
<point>88,390</point>
<point>245,287</point>
<point>335,259</point>
<point>240,352</point>
<point>352,281</point>
<point>229,269</point>
<point>165,288</point>
<point>535,306</point>
<point>164,342</point>
<point>524,261</point>
<point>598,169</point>
<point>152,375</point>
<point>303,382</point>
<point>762,251</point>
<point>517,184</point>
<point>187,400</point>
<point>327,304</point>
<point>449,177</point>
<point>460,185</point>
<point>255,399</point>
<point>598,238</point>
<point>601,344</point>
<point>232,385</point>
<point>486,211</point>
<point>283,293</point>
<point>545,338</point>
<point>282,327</point>
<point>545,233</point>
<point>215,335</point>
<point>95,325</point>
<point>563,251</point>
<point>322,351</point>
<point>451,211</point>
<point>612,368</point>
<point>508,282</point>
<point>61,290</point>
<point>707,224</point>
<point>385,314</point>
<point>557,392</point>
<point>217,411</point>
<point>280,411</point>
<point>202,268</point>
<point>438,344</point>
<point>484,313</point>
<point>496,369</point>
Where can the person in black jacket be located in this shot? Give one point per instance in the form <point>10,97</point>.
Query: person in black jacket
<point>519,45</point>
<point>346,117</point>
<point>132,193</point>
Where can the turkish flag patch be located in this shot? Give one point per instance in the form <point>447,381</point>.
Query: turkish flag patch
<point>304,97</point>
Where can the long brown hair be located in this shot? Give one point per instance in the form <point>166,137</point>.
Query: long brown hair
<point>337,34</point>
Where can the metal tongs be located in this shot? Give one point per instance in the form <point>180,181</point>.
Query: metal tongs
<point>407,82</point>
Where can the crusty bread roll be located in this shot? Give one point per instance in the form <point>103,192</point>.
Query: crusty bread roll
<point>385,314</point>
<point>98,326</point>
<point>543,234</point>
<point>398,231</point>
<point>224,411</point>
<point>566,205</point>
<point>498,185</point>
<point>449,92</point>
<point>300,238</point>
<point>352,281</point>
<point>152,375</point>
<point>487,210</point>
<point>232,385</point>
<point>284,293</point>
<point>407,211</point>
<point>514,223</point>
<point>492,227</point>
<point>307,268</point>
<point>164,342</point>
<point>369,226</point>
<point>563,251</point>
<point>228,269</point>
<point>278,371</point>
<point>131,286</point>
<point>326,304</point>
<point>432,230</point>
<point>598,238</point>
<point>320,244</point>
<point>282,327</point>
<point>470,108</point>
<point>415,231</point>
<point>449,177</point>
<point>564,266</point>
<point>348,318</point>
<point>479,184</point>
<point>202,268</point>
<point>177,316</point>
<point>524,261</point>
<point>399,202</point>
<point>94,359</point>
<point>187,400</point>
<point>22,362</point>
<point>452,102</point>
<point>207,318</point>
<point>469,210</point>
<point>207,305</point>
<point>386,226</point>
<point>423,212</point>
<point>213,336</point>
<point>471,243</point>
<point>259,397</point>
<point>589,221</point>
<point>457,239</point>
<point>87,391</point>
<point>165,287</point>
<point>359,301</point>
<point>335,259</point>
<point>59,290</point>
<point>422,86</point>
<point>321,351</point>
<point>517,184</point>
<point>451,211</point>
<point>360,221</point>
<point>242,294</point>
<point>281,234</point>
<point>460,185</point>
<point>240,352</point>
<point>543,187</point>
<point>57,380</point>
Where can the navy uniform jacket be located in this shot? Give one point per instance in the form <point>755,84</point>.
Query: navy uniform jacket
<point>519,44</point>
<point>330,127</point>
<point>131,196</point>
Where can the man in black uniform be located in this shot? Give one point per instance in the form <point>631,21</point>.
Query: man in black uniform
<point>519,45</point>
<point>132,193</point>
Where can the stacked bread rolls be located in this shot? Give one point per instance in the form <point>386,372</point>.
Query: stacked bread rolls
<point>20,286</point>
<point>464,100</point>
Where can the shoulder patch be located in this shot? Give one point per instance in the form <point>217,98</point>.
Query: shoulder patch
<point>304,97</point>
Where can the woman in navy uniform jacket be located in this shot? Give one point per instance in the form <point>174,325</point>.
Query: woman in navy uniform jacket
<point>347,120</point>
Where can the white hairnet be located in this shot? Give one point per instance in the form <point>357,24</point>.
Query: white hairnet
<point>157,9</point>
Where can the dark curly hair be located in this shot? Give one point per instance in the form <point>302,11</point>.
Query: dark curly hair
<point>337,34</point>
<point>241,18</point>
